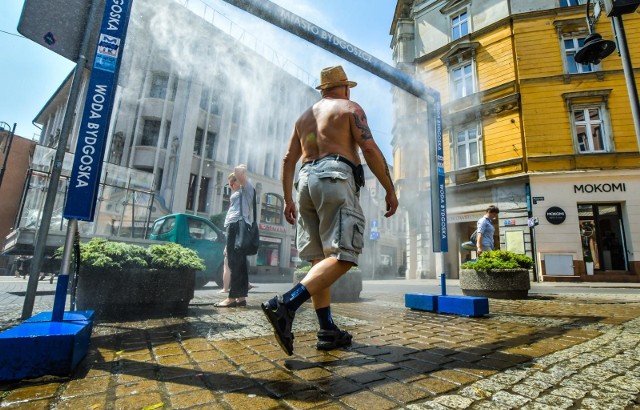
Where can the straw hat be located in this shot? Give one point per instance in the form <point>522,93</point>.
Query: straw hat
<point>334,77</point>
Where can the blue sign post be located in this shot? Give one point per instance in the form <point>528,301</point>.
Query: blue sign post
<point>439,196</point>
<point>87,164</point>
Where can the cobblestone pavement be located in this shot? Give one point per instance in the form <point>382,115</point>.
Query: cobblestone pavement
<point>551,352</point>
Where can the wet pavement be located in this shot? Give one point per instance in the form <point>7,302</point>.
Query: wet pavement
<point>552,351</point>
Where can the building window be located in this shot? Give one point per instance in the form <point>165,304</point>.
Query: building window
<point>571,3</point>
<point>150,133</point>
<point>272,208</point>
<point>231,155</point>
<point>159,85</point>
<point>203,194</point>
<point>197,144</point>
<point>466,145</point>
<point>236,111</point>
<point>589,129</point>
<point>204,98</point>
<point>571,47</point>
<point>209,149</point>
<point>459,25</point>
<point>191,194</point>
<point>462,80</point>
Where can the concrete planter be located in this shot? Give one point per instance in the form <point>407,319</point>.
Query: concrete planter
<point>345,289</point>
<point>135,294</point>
<point>503,284</point>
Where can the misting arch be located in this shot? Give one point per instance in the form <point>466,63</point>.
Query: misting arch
<point>306,30</point>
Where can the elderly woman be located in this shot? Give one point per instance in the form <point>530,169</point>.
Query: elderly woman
<point>242,196</point>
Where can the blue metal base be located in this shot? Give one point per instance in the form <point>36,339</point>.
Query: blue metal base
<point>463,305</point>
<point>38,347</point>
<point>421,301</point>
<point>68,316</point>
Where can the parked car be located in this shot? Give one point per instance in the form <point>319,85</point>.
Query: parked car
<point>199,234</point>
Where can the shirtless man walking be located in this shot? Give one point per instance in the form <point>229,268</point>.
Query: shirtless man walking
<point>330,222</point>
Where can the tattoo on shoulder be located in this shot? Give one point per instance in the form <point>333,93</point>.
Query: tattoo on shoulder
<point>361,123</point>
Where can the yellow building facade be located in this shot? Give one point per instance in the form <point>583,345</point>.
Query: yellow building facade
<point>528,129</point>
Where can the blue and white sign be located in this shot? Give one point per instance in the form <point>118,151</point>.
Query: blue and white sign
<point>87,164</point>
<point>374,235</point>
<point>438,191</point>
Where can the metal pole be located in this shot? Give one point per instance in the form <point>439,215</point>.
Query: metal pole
<point>6,155</point>
<point>43,230</point>
<point>621,37</point>
<point>61,296</point>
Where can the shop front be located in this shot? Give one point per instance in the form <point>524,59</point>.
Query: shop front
<point>468,203</point>
<point>274,253</point>
<point>589,225</point>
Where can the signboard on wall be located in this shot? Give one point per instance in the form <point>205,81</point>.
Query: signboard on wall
<point>555,215</point>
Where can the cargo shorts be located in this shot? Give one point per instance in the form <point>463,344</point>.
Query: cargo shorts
<point>330,219</point>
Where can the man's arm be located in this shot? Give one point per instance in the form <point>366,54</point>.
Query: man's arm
<point>372,154</point>
<point>240,172</point>
<point>293,154</point>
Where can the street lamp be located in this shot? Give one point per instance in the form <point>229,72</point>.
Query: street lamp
<point>7,149</point>
<point>595,47</point>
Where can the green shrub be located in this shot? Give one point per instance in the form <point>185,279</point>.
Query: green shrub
<point>498,260</point>
<point>102,254</point>
<point>173,256</point>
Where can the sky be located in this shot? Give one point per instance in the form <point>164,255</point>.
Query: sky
<point>31,73</point>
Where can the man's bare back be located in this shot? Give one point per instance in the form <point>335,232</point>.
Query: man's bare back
<point>325,129</point>
<point>334,125</point>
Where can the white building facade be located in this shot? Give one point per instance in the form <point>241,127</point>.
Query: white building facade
<point>193,102</point>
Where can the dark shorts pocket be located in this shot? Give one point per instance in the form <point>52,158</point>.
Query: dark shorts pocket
<point>351,233</point>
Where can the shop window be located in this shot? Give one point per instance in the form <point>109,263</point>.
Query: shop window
<point>602,236</point>
<point>268,254</point>
<point>272,209</point>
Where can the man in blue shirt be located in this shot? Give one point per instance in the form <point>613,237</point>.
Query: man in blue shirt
<point>485,229</point>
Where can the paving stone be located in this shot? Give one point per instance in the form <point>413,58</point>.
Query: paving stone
<point>568,392</point>
<point>400,392</point>
<point>96,402</point>
<point>555,401</point>
<point>366,400</point>
<point>526,390</point>
<point>435,386</point>
<point>140,401</point>
<point>35,392</point>
<point>454,401</point>
<point>509,399</point>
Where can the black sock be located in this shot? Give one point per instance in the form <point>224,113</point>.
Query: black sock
<point>294,298</point>
<point>325,319</point>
